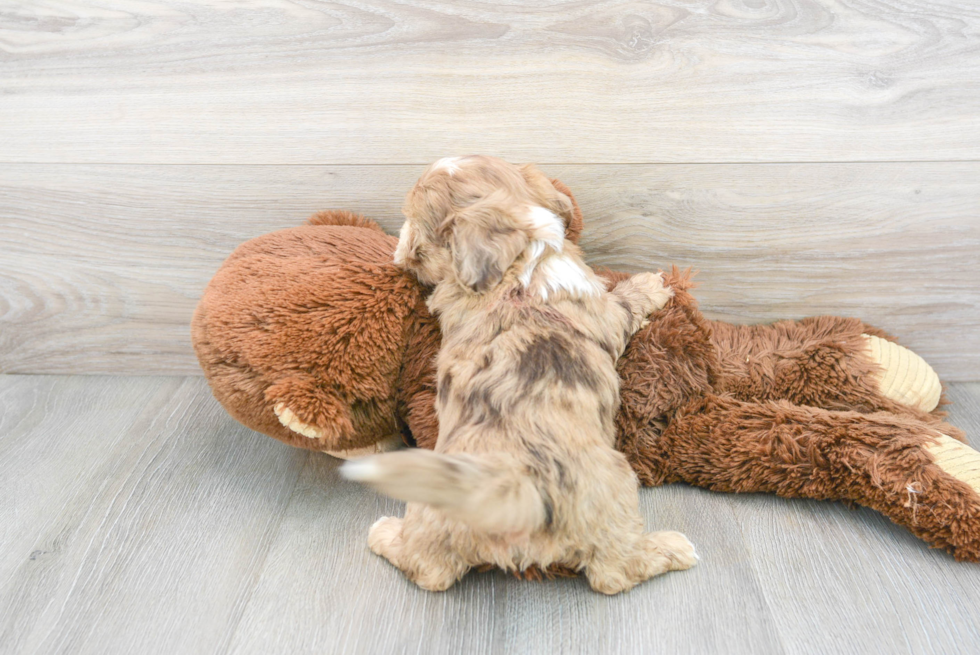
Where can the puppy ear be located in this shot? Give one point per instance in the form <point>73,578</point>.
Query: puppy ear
<point>485,242</point>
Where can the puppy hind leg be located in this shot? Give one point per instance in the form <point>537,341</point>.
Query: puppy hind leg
<point>652,554</point>
<point>385,538</point>
<point>423,555</point>
<point>670,549</point>
<point>608,574</point>
<point>436,573</point>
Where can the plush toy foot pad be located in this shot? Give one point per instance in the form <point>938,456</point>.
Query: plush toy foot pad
<point>957,460</point>
<point>289,419</point>
<point>905,377</point>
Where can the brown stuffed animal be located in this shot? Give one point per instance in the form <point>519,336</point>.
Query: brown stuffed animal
<point>312,336</point>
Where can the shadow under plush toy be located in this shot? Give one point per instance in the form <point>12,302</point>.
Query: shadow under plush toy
<point>312,336</point>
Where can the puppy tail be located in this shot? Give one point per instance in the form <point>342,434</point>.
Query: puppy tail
<point>484,493</point>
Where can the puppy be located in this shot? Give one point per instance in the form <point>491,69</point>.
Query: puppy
<point>524,471</point>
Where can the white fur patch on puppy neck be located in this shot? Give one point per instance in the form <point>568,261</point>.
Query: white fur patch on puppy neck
<point>534,252</point>
<point>448,163</point>
<point>547,231</point>
<point>547,226</point>
<point>556,271</point>
<point>562,273</point>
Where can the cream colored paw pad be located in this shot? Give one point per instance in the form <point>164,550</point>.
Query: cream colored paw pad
<point>904,376</point>
<point>957,459</point>
<point>288,418</point>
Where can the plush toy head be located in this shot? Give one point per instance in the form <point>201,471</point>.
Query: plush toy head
<point>313,336</point>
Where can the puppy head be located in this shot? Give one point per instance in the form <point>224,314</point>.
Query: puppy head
<point>472,217</point>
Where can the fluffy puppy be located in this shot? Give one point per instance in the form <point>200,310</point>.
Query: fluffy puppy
<point>524,471</point>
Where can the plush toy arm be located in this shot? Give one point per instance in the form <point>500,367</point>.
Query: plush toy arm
<point>304,407</point>
<point>307,409</point>
<point>904,468</point>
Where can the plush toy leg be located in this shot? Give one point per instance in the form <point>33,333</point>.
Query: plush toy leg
<point>826,361</point>
<point>903,376</point>
<point>902,467</point>
<point>957,460</point>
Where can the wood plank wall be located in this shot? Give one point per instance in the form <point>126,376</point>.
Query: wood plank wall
<point>807,156</point>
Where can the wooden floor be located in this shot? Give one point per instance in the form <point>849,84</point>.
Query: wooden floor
<point>137,517</point>
<point>807,156</point>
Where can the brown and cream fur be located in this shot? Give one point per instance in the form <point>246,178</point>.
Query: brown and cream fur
<point>319,319</point>
<point>524,472</point>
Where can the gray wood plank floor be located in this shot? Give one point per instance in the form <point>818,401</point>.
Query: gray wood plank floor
<point>137,517</point>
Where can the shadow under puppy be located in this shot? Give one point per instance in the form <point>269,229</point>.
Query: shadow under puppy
<point>524,471</point>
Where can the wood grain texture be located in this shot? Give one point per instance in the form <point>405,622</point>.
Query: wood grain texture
<point>614,81</point>
<point>860,573</point>
<point>137,517</point>
<point>492,612</point>
<point>102,265</point>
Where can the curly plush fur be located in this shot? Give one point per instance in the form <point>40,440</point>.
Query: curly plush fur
<point>319,317</point>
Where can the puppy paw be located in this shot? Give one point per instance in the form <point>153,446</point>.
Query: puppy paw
<point>384,537</point>
<point>652,286</point>
<point>609,582</point>
<point>677,548</point>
